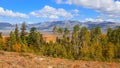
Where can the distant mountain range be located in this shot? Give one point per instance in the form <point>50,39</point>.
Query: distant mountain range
<point>5,25</point>
<point>47,26</point>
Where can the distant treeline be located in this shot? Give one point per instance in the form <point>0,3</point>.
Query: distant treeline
<point>81,44</point>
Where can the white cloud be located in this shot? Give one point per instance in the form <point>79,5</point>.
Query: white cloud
<point>89,19</point>
<point>10,13</point>
<point>58,1</point>
<point>113,20</point>
<point>75,12</point>
<point>53,13</point>
<point>94,20</point>
<point>98,20</point>
<point>108,7</point>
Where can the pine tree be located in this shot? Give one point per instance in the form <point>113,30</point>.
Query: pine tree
<point>104,42</point>
<point>76,28</point>
<point>114,36</point>
<point>17,34</point>
<point>11,41</point>
<point>38,40</point>
<point>75,38</point>
<point>66,31</point>
<point>31,35</point>
<point>84,37</point>
<point>118,35</point>
<point>12,38</point>
<point>23,32</point>
<point>96,45</point>
<point>1,35</point>
<point>109,34</point>
<point>55,29</point>
<point>66,35</point>
<point>110,51</point>
<point>1,41</point>
<point>60,30</point>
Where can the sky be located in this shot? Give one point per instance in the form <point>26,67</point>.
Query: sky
<point>35,11</point>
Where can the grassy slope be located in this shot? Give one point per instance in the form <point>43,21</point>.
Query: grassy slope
<point>26,60</point>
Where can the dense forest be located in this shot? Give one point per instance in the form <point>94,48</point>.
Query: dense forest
<point>79,44</point>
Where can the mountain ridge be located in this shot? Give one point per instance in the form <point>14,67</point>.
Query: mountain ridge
<point>47,26</point>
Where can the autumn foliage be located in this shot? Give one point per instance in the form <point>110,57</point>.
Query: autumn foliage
<point>17,47</point>
<point>79,44</point>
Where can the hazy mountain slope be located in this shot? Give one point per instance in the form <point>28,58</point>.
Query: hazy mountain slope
<point>70,24</point>
<point>47,26</point>
<point>5,25</point>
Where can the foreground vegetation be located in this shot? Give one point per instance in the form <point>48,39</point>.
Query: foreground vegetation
<point>81,43</point>
<point>29,60</point>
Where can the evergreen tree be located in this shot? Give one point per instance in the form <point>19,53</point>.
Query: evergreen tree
<point>118,35</point>
<point>104,43</point>
<point>1,41</point>
<point>110,51</point>
<point>66,32</point>
<point>39,40</point>
<point>17,34</point>
<point>23,32</point>
<point>0,34</point>
<point>31,36</point>
<point>12,38</point>
<point>116,41</point>
<point>66,35</point>
<point>115,36</point>
<point>11,41</point>
<point>84,37</point>
<point>60,30</point>
<point>96,34</point>
<point>96,45</point>
<point>35,38</point>
<point>76,28</point>
<point>109,34</point>
<point>75,38</point>
<point>55,29</point>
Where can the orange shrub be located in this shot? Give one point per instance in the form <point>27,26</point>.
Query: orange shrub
<point>17,47</point>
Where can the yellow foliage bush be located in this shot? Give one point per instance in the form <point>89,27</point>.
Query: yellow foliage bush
<point>17,47</point>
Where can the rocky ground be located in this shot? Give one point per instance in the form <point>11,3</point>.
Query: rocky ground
<point>25,60</point>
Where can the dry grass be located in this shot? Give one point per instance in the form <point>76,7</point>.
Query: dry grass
<point>26,60</point>
<point>49,38</point>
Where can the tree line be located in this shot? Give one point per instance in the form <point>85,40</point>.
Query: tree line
<point>78,44</point>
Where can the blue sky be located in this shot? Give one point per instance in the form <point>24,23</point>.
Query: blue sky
<point>34,11</point>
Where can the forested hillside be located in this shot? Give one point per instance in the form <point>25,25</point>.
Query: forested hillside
<point>80,44</point>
